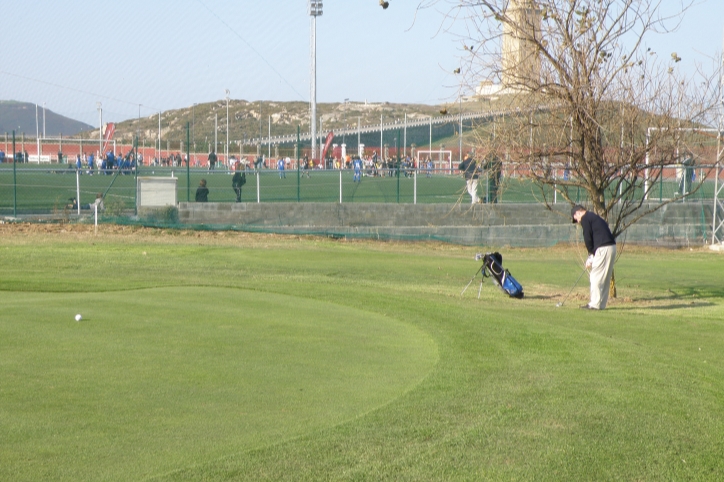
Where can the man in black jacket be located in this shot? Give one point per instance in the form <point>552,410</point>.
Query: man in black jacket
<point>470,170</point>
<point>238,181</point>
<point>601,247</point>
<point>202,192</point>
<point>212,160</point>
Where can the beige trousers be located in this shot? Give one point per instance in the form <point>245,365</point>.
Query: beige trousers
<point>601,272</point>
<point>472,185</point>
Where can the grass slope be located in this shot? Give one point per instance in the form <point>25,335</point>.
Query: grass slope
<point>520,390</point>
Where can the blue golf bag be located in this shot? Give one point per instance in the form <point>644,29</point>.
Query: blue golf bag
<point>493,268</point>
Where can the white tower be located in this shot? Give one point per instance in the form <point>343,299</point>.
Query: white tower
<point>521,61</point>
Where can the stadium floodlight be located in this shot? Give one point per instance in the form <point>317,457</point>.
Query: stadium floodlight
<point>315,10</point>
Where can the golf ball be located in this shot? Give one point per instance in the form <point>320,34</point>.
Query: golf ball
<point>78,317</point>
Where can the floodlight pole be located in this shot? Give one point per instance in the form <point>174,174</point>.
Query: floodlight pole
<point>100,132</point>
<point>37,133</point>
<point>315,10</point>
<point>460,147</point>
<point>344,132</point>
<point>193,128</point>
<point>404,141</point>
<point>227,128</point>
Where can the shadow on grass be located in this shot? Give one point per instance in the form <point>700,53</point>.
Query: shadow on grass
<point>678,306</point>
<point>541,297</point>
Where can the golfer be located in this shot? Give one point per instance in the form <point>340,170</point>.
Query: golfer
<point>601,247</point>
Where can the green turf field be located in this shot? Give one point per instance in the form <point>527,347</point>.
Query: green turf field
<point>228,356</point>
<point>46,189</point>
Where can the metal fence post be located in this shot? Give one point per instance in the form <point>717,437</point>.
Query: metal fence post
<point>299,177</point>
<point>77,189</point>
<point>414,187</point>
<point>15,182</point>
<point>188,161</point>
<point>397,148</point>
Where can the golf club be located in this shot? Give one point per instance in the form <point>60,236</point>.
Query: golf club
<point>560,303</point>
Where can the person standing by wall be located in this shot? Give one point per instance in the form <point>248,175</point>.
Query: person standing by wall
<point>202,192</point>
<point>494,169</point>
<point>470,171</point>
<point>601,247</point>
<point>212,160</point>
<point>238,181</point>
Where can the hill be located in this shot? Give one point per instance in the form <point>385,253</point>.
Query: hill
<point>252,119</point>
<point>20,117</point>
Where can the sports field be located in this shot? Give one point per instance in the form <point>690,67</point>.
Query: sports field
<point>231,356</point>
<point>33,189</point>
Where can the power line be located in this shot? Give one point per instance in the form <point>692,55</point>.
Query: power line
<point>231,29</point>
<point>80,91</point>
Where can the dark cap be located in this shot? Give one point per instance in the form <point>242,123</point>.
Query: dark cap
<point>574,210</point>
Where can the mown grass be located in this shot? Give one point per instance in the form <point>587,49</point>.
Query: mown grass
<point>425,384</point>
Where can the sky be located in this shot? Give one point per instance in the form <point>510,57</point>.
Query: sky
<point>148,56</point>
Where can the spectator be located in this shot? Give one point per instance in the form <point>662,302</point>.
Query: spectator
<point>305,165</point>
<point>212,160</point>
<point>98,203</point>
<point>237,182</point>
<point>495,172</point>
<point>470,171</point>
<point>202,192</point>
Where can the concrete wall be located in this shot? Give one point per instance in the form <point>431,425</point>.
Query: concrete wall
<point>496,225</point>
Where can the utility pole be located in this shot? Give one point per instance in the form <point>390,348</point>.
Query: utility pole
<point>100,130</point>
<point>315,10</point>
<point>227,128</point>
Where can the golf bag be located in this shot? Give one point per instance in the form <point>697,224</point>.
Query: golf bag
<point>493,268</point>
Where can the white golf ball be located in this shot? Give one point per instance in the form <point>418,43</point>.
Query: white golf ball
<point>78,317</point>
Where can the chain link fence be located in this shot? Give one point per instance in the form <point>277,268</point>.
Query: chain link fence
<point>56,188</point>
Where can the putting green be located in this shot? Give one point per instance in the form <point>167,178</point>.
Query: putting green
<point>151,381</point>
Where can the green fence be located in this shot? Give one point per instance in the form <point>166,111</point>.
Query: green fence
<point>50,189</point>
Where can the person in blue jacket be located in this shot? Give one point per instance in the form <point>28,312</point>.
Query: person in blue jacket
<point>357,165</point>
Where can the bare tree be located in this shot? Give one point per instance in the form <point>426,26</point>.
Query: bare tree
<point>592,100</point>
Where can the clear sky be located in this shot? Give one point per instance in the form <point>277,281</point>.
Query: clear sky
<point>162,54</point>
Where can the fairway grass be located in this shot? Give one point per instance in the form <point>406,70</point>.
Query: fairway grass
<point>228,356</point>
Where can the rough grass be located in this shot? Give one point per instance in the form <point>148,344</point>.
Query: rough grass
<point>519,390</point>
